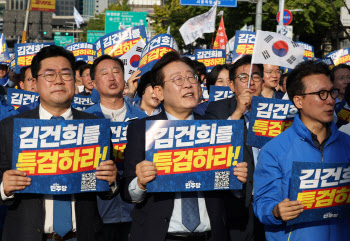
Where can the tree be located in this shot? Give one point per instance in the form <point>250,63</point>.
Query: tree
<point>316,22</point>
<point>98,21</point>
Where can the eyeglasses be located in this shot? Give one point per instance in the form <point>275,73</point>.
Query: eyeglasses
<point>180,80</point>
<point>323,94</point>
<point>51,76</point>
<point>276,72</point>
<point>245,77</point>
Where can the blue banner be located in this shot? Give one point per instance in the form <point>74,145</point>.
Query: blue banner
<point>83,51</point>
<point>323,189</point>
<point>208,3</point>
<point>25,52</point>
<point>196,155</point>
<point>4,51</point>
<point>340,56</point>
<point>81,102</point>
<point>308,51</point>
<point>219,92</point>
<point>119,131</point>
<point>327,61</point>
<point>268,118</point>
<point>61,156</point>
<point>119,42</point>
<point>244,44</point>
<point>210,57</point>
<point>343,112</point>
<point>205,94</point>
<point>155,49</point>
<point>18,98</point>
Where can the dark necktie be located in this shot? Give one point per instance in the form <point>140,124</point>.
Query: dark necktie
<point>190,210</point>
<point>62,209</point>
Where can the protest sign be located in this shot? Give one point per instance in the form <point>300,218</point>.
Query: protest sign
<point>18,98</point>
<point>219,92</point>
<point>210,57</point>
<point>243,44</point>
<point>60,156</point>
<point>195,155</point>
<point>119,131</point>
<point>25,52</point>
<point>81,102</point>
<point>205,94</point>
<point>344,112</point>
<point>308,51</point>
<point>119,42</point>
<point>340,56</point>
<point>155,49</point>
<point>328,61</point>
<point>83,51</point>
<point>323,189</point>
<point>268,118</point>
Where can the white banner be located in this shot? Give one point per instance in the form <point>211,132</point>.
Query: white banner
<point>195,27</point>
<point>273,48</point>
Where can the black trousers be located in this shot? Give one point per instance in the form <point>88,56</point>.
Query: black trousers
<point>115,232</point>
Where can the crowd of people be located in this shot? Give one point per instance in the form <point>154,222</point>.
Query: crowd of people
<point>172,91</point>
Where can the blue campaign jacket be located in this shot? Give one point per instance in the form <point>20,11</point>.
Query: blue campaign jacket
<point>116,210</point>
<point>272,177</point>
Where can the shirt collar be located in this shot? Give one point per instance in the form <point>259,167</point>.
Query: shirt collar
<point>171,117</point>
<point>45,115</point>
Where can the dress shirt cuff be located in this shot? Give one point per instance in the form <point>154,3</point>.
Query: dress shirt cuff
<point>3,196</point>
<point>229,118</point>
<point>136,193</point>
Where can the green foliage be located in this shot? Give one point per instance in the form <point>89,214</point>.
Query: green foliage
<point>316,22</point>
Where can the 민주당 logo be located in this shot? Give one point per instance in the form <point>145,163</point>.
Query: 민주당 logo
<point>280,48</point>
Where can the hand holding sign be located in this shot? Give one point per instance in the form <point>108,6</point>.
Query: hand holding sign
<point>244,101</point>
<point>241,172</point>
<point>14,180</point>
<point>107,171</point>
<point>287,210</point>
<point>146,171</point>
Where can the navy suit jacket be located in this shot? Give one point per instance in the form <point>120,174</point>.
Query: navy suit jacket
<point>26,213</point>
<point>151,217</point>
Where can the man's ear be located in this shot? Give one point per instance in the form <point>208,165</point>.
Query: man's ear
<point>158,91</point>
<point>231,84</point>
<point>21,85</point>
<point>298,101</point>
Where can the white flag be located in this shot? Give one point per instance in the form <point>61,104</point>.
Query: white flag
<point>195,27</point>
<point>132,58</point>
<point>77,17</point>
<point>273,48</point>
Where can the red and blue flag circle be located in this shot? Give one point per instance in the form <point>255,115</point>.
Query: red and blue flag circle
<point>134,60</point>
<point>280,48</point>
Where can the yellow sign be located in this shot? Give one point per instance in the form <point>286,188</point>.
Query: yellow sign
<point>43,5</point>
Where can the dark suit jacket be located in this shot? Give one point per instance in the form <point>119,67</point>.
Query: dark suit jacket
<point>221,110</point>
<point>26,213</point>
<point>151,217</point>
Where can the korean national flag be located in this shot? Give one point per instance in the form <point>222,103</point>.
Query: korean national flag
<point>273,48</point>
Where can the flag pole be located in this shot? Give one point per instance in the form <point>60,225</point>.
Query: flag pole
<point>24,33</point>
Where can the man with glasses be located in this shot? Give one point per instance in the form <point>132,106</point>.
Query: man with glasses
<point>271,78</point>
<point>169,216</point>
<point>313,137</point>
<point>242,222</point>
<point>33,217</point>
<point>87,82</point>
<point>26,80</point>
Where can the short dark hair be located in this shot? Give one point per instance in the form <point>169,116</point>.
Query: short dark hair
<point>340,66</point>
<point>282,77</point>
<point>200,68</point>
<point>157,77</point>
<point>213,76</point>
<point>22,73</point>
<point>100,59</point>
<point>83,68</point>
<point>145,80</point>
<point>245,60</point>
<point>295,85</point>
<point>48,52</point>
<point>347,94</point>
